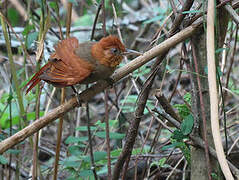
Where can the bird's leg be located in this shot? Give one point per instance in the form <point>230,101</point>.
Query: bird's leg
<point>77,95</point>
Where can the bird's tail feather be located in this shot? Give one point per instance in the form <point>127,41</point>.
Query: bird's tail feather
<point>35,79</point>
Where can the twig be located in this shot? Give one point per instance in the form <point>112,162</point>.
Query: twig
<point>58,20</point>
<point>173,7</point>
<point>95,21</point>
<point>232,13</point>
<point>10,119</point>
<point>234,50</point>
<point>107,129</point>
<point>174,168</point>
<point>35,165</point>
<point>103,12</point>
<point>167,106</point>
<point>116,22</point>
<point>178,20</point>
<point>90,141</point>
<point>177,80</point>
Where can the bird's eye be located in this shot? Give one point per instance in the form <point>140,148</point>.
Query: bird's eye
<point>114,51</point>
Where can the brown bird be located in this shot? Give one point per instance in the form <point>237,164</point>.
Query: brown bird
<point>73,63</point>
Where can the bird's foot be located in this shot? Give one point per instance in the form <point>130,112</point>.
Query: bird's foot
<point>77,96</point>
<point>110,81</point>
<point>78,99</point>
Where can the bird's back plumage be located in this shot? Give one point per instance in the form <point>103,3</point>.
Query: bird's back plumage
<point>64,68</point>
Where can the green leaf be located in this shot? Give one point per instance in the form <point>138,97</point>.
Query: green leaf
<point>187,125</point>
<point>5,121</point>
<point>3,160</point>
<point>187,98</point>
<point>86,173</point>
<point>71,178</point>
<point>75,150</point>
<point>13,16</point>
<point>137,151</point>
<point>98,155</point>
<point>74,2</point>
<point>130,99</point>
<point>85,20</point>
<point>178,135</point>
<point>112,123</point>
<point>214,176</point>
<point>191,12</point>
<point>103,170</point>
<point>72,139</point>
<point>13,151</point>
<point>156,18</point>
<point>53,5</point>
<point>27,29</point>
<point>115,153</point>
<point>84,128</point>
<point>31,38</point>
<point>113,135</point>
<point>2,137</point>
<point>20,72</point>
<point>141,71</point>
<point>182,110</point>
<point>173,145</point>
<point>160,163</point>
<point>71,161</point>
<point>128,109</point>
<point>221,49</point>
<point>219,71</point>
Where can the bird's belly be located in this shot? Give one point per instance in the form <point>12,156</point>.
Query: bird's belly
<point>101,72</point>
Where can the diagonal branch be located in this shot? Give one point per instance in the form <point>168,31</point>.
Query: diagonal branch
<point>98,87</point>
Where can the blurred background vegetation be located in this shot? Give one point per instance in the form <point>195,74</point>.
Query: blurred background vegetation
<point>34,26</point>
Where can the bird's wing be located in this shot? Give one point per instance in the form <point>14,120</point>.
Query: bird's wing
<point>66,68</point>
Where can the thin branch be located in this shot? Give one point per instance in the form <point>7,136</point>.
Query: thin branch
<point>95,21</point>
<point>107,129</point>
<point>90,141</point>
<point>232,13</point>
<point>167,106</point>
<point>178,20</point>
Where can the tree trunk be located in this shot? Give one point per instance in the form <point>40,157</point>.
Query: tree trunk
<point>198,160</point>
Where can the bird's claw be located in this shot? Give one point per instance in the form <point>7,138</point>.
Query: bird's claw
<point>110,81</point>
<point>77,96</point>
<point>79,101</point>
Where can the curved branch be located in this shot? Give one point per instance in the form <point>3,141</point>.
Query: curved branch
<point>212,82</point>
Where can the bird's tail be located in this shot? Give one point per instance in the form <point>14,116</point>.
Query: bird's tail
<point>35,79</point>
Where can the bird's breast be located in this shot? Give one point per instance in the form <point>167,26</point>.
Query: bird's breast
<point>100,72</point>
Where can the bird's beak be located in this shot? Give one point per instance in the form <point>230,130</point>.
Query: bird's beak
<point>131,52</point>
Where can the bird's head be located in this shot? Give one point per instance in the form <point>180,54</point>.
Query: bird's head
<point>109,51</point>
